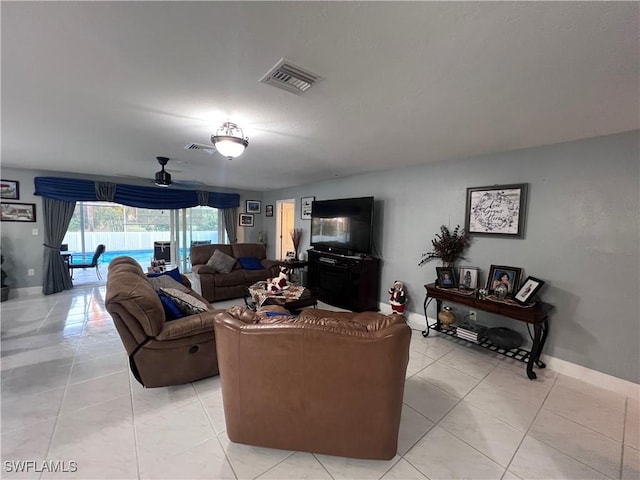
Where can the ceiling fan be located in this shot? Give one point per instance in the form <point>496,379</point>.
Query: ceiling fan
<point>163,178</point>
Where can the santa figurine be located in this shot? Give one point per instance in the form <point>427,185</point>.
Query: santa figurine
<point>398,298</point>
<point>279,283</point>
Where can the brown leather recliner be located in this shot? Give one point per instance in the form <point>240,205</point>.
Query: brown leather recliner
<point>160,353</point>
<point>323,382</point>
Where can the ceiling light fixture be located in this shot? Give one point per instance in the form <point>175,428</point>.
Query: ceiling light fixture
<point>229,140</point>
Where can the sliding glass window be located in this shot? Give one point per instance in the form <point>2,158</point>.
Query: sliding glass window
<point>133,231</point>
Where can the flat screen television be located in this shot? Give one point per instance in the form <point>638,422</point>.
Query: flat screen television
<point>342,226</point>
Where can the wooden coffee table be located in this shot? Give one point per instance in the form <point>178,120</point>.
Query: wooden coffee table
<point>307,299</point>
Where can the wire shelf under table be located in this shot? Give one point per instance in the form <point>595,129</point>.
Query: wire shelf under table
<point>519,354</point>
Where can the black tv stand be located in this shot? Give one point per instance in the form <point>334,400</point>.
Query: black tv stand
<point>345,281</point>
<point>334,251</point>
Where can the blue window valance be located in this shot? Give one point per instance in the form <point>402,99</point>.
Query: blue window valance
<point>80,190</point>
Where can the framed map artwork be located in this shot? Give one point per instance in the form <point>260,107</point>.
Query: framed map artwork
<point>497,210</point>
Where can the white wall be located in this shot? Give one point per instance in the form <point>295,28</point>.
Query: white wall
<point>582,236</point>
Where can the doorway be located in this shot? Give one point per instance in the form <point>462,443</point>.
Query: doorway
<point>285,222</point>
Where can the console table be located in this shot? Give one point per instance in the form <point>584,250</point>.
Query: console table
<point>536,314</point>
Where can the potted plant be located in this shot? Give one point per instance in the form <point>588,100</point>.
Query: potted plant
<point>447,246</point>
<point>5,288</point>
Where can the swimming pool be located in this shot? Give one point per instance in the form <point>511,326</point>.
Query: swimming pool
<point>143,257</point>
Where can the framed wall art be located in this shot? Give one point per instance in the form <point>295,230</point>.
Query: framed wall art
<point>305,207</point>
<point>246,220</point>
<point>501,275</point>
<point>17,212</point>
<point>529,288</point>
<point>253,206</point>
<point>10,189</point>
<point>499,210</point>
<point>268,210</point>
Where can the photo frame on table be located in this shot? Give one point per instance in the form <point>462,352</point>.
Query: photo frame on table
<point>268,211</point>
<point>246,220</point>
<point>253,206</point>
<point>10,189</point>
<point>446,277</point>
<point>17,212</point>
<point>496,211</point>
<point>500,274</point>
<point>305,207</point>
<point>529,289</point>
<point>468,278</point>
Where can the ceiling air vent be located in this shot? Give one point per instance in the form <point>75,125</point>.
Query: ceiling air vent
<point>210,149</point>
<point>290,77</point>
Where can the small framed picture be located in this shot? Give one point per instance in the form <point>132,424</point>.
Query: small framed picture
<point>468,278</point>
<point>446,277</point>
<point>18,212</point>
<point>305,207</point>
<point>246,220</point>
<point>529,288</point>
<point>507,276</point>
<point>268,210</point>
<point>253,206</point>
<point>10,189</point>
<point>290,255</point>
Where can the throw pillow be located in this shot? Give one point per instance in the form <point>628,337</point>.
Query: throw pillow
<point>221,262</point>
<point>166,281</point>
<point>250,263</point>
<point>188,304</point>
<point>171,310</point>
<point>175,274</point>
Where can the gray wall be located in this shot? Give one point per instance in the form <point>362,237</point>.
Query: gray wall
<point>582,236</point>
<point>22,250</point>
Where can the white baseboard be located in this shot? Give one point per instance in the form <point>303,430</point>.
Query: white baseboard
<point>24,292</point>
<point>592,377</point>
<point>415,320</point>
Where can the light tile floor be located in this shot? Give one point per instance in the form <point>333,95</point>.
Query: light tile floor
<point>67,395</point>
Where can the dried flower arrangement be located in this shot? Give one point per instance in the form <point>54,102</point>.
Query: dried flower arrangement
<point>448,245</point>
<point>296,236</point>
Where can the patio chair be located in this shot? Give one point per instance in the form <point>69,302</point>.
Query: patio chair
<point>162,251</point>
<point>94,262</point>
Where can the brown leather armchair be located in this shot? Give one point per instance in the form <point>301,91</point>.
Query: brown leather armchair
<point>323,382</point>
<point>160,353</point>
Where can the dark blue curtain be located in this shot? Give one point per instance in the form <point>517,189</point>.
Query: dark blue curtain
<point>79,190</point>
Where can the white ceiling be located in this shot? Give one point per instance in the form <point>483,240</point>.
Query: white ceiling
<point>104,88</point>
